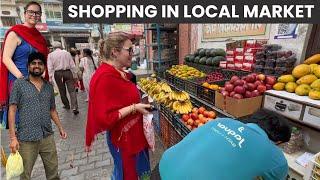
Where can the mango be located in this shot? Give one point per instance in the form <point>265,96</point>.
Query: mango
<point>316,71</point>
<point>307,79</point>
<point>316,85</point>
<point>313,59</point>
<point>314,94</point>
<point>279,86</point>
<point>286,78</point>
<point>291,87</point>
<point>301,70</point>
<point>313,66</point>
<point>303,90</point>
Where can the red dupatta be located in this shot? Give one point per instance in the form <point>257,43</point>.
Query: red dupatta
<point>109,93</point>
<point>31,36</point>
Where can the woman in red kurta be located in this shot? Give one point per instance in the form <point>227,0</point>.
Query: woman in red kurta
<point>114,106</point>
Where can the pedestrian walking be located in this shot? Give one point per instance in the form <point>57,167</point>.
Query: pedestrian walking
<point>76,58</point>
<point>33,98</point>
<point>115,106</point>
<point>61,67</point>
<point>88,66</point>
<point>20,41</point>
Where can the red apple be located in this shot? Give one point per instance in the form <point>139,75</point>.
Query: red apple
<point>268,86</point>
<point>248,94</point>
<point>246,86</point>
<point>229,87</point>
<point>270,80</point>
<point>194,116</point>
<point>185,117</point>
<point>239,82</point>
<point>239,90</point>
<point>232,94</point>
<point>257,83</point>
<point>261,77</point>
<point>251,86</point>
<point>234,78</point>
<point>254,75</point>
<point>250,79</point>
<point>238,96</point>
<point>261,88</point>
<point>255,93</point>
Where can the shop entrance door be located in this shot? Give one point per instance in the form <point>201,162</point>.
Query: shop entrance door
<point>314,41</point>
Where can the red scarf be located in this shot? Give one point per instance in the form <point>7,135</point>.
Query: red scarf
<point>31,36</point>
<point>108,93</point>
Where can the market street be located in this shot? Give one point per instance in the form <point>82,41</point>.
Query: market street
<point>73,160</point>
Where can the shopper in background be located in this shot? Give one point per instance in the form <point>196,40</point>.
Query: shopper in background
<point>61,67</point>
<point>76,58</point>
<point>115,107</point>
<point>33,99</point>
<point>88,66</point>
<point>228,149</point>
<point>20,41</point>
<point>136,53</point>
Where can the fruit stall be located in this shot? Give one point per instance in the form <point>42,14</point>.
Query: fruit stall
<point>212,84</point>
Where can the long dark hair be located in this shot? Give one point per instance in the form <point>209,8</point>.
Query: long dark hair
<point>89,53</point>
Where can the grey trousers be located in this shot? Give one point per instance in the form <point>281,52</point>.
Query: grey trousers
<point>64,78</point>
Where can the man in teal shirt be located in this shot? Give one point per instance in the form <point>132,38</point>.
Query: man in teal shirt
<point>226,149</point>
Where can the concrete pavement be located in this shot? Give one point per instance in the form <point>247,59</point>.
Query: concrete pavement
<point>73,161</point>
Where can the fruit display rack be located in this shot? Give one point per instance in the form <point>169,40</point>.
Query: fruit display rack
<point>193,88</point>
<point>200,101</point>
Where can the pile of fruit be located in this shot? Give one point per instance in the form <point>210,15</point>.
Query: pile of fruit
<point>214,76</point>
<point>248,86</point>
<point>303,81</point>
<point>198,117</point>
<point>214,87</point>
<point>177,101</point>
<point>185,72</point>
<point>211,57</point>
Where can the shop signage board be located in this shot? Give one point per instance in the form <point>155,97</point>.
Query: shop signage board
<point>287,31</point>
<point>212,32</point>
<point>121,27</point>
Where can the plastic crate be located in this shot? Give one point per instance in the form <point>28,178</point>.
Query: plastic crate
<point>191,87</point>
<point>174,137</point>
<point>206,94</point>
<point>169,77</point>
<point>179,83</point>
<point>182,128</point>
<point>164,130</point>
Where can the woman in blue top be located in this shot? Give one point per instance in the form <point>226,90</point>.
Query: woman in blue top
<point>20,41</point>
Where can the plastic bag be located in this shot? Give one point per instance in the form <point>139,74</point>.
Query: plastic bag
<point>14,165</point>
<point>148,130</point>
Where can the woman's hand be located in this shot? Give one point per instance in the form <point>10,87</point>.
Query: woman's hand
<point>143,108</point>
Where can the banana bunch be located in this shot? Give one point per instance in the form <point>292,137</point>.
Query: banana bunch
<point>165,87</point>
<point>179,96</point>
<point>182,107</point>
<point>155,89</point>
